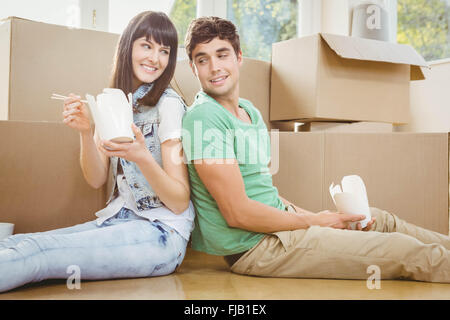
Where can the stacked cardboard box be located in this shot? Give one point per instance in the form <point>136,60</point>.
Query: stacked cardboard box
<point>42,186</point>
<point>430,101</point>
<point>335,78</point>
<point>38,59</point>
<point>404,173</point>
<point>333,84</point>
<point>430,107</point>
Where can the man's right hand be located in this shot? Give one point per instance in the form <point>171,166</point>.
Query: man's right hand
<point>76,114</point>
<point>335,220</point>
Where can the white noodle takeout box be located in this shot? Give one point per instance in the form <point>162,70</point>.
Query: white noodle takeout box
<point>113,115</point>
<point>351,198</point>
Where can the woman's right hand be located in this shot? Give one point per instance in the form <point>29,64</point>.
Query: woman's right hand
<point>76,114</point>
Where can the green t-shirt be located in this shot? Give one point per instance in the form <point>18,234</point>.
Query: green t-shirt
<point>211,132</point>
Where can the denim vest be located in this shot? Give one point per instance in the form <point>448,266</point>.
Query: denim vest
<point>147,120</point>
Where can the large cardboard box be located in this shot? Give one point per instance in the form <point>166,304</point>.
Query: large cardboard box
<point>42,185</point>
<point>254,84</point>
<point>430,100</point>
<point>335,77</point>
<point>38,59</point>
<point>404,173</point>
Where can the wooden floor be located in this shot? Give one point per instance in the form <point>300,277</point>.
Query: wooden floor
<point>203,276</point>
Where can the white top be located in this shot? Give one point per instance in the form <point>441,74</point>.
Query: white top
<point>171,115</point>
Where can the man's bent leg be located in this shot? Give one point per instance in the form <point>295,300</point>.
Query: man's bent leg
<point>319,252</point>
<point>388,222</point>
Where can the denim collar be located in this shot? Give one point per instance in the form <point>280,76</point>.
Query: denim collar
<point>141,92</point>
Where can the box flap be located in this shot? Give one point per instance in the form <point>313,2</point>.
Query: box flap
<point>15,18</point>
<point>375,50</point>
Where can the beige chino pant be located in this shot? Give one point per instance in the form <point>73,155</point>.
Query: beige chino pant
<point>399,249</point>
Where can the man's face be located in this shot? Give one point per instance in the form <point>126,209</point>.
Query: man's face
<point>217,67</point>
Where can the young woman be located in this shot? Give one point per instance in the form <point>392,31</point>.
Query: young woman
<point>144,229</point>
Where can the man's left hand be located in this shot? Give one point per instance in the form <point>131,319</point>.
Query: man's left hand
<point>368,227</point>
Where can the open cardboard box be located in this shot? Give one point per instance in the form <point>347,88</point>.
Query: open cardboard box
<point>38,59</point>
<point>335,77</point>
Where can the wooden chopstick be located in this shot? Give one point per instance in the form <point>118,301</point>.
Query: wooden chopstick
<point>61,97</point>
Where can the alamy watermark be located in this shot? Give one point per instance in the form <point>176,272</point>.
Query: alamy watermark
<point>251,146</point>
<point>374,20</point>
<point>74,280</point>
<point>374,280</point>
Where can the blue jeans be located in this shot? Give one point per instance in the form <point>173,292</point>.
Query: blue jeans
<point>124,246</point>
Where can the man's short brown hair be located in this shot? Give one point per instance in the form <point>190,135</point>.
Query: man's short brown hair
<point>205,29</point>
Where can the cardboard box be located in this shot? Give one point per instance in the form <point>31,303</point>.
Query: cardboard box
<point>404,173</point>
<point>326,126</point>
<point>430,106</point>
<point>38,59</point>
<point>291,126</point>
<point>254,84</point>
<point>430,101</point>
<point>336,77</point>
<point>42,186</point>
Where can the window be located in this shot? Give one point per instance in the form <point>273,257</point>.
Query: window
<point>424,24</point>
<point>181,14</point>
<point>263,22</point>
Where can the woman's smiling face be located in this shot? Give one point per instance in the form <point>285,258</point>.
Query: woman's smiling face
<point>149,60</point>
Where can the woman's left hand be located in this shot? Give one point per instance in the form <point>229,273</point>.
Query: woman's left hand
<point>135,151</point>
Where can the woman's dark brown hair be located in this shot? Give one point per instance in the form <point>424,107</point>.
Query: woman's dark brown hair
<point>149,24</point>
<point>204,29</point>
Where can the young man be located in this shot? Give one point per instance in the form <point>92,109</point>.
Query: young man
<point>239,212</point>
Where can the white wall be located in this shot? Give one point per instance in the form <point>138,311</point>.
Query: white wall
<point>121,11</point>
<point>328,16</point>
<point>94,14</point>
<point>334,16</point>
<point>111,15</point>
<point>389,5</point>
<point>62,12</point>
<point>212,8</point>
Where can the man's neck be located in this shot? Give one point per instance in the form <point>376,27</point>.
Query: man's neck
<point>230,102</point>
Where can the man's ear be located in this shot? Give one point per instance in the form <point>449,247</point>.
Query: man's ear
<point>239,58</point>
<point>193,68</point>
